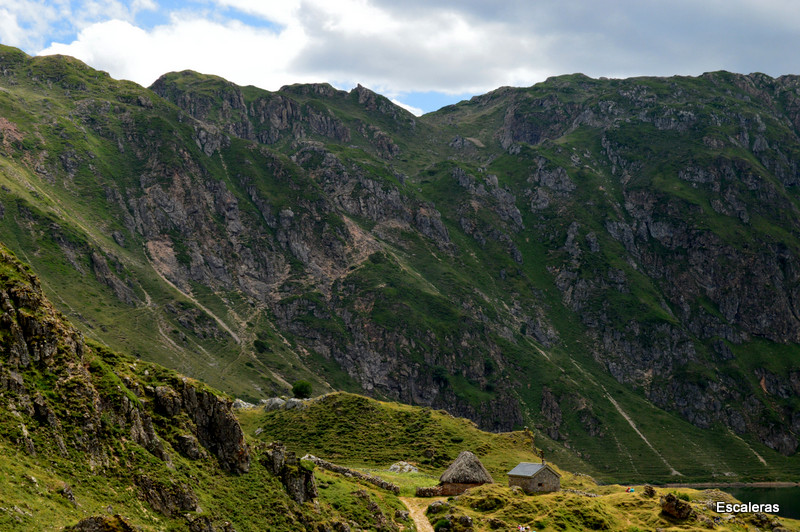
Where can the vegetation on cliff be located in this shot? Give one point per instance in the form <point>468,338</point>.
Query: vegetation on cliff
<point>613,263</point>
<point>87,433</point>
<point>96,440</point>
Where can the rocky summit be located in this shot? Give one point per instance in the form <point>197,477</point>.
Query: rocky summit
<point>612,263</point>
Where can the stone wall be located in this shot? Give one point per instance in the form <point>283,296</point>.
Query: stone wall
<point>433,491</point>
<point>324,464</point>
<point>453,488</point>
<point>544,481</point>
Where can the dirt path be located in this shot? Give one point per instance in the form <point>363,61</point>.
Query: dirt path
<point>673,471</point>
<point>760,459</point>
<point>416,510</point>
<point>192,299</point>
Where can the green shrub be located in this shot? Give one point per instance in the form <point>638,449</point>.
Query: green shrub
<point>489,504</point>
<point>441,524</point>
<point>302,389</point>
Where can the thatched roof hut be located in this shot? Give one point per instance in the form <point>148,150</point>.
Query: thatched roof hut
<point>465,472</point>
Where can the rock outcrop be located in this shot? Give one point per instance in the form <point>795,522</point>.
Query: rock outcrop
<point>102,524</point>
<point>296,478</point>
<point>73,406</point>
<point>675,507</point>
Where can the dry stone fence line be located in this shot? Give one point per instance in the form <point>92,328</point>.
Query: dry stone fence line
<point>324,464</point>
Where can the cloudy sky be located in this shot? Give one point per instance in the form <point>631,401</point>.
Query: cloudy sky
<point>421,53</point>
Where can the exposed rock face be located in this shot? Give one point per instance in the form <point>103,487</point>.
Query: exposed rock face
<point>170,500</point>
<point>403,467</point>
<point>105,276</point>
<point>647,225</point>
<point>673,506</point>
<point>274,403</point>
<point>274,116</point>
<point>299,481</point>
<point>36,338</point>
<point>214,424</point>
<point>205,523</point>
<point>81,402</point>
<point>551,413</point>
<point>102,524</point>
<point>217,428</point>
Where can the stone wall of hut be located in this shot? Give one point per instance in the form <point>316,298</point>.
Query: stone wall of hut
<point>432,491</point>
<point>543,482</point>
<point>453,488</point>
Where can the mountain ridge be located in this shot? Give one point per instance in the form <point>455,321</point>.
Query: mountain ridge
<point>517,258</point>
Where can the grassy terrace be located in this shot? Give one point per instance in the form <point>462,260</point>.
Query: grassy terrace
<point>335,426</point>
<point>370,435</point>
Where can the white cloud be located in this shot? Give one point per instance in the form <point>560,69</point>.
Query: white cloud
<point>31,23</point>
<point>429,50</point>
<point>450,46</point>
<point>240,53</point>
<point>343,42</point>
<point>416,111</point>
<point>283,12</point>
<point>24,22</point>
<point>10,31</point>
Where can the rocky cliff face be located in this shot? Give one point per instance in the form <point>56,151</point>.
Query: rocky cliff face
<point>109,434</point>
<point>61,399</point>
<point>40,347</point>
<point>513,258</point>
<point>718,283</point>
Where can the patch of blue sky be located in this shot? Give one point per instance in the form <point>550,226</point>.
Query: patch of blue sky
<point>432,100</point>
<point>247,19</point>
<point>56,30</point>
<point>150,18</point>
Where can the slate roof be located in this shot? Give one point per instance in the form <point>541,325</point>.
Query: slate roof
<point>527,469</point>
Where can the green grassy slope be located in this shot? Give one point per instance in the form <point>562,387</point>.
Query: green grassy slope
<point>84,432</point>
<point>333,428</point>
<point>89,433</point>
<point>598,245</point>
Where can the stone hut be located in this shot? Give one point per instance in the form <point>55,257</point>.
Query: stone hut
<point>534,478</point>
<point>464,473</point>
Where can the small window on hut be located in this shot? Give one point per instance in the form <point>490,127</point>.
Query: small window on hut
<point>540,484</point>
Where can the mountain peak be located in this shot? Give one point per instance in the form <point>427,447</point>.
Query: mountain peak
<point>325,90</point>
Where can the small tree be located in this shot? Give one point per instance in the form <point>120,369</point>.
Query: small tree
<point>302,389</point>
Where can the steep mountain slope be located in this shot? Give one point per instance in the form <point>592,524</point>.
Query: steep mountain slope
<point>613,262</point>
<point>95,440</point>
<point>100,438</point>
